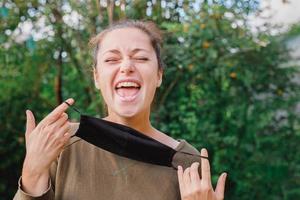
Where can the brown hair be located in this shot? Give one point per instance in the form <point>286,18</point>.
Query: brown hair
<point>148,27</point>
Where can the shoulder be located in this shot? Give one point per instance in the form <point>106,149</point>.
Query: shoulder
<point>185,155</point>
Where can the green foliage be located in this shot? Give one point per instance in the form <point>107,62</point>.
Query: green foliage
<point>224,88</point>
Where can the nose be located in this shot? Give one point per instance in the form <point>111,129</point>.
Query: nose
<point>127,66</point>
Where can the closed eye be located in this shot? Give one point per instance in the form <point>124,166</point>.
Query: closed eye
<point>141,58</point>
<point>111,60</point>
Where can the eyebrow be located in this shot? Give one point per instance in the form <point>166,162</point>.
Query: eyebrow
<point>117,51</point>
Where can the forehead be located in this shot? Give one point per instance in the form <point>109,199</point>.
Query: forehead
<point>125,39</point>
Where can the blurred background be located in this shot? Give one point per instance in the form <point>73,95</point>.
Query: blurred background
<point>231,82</point>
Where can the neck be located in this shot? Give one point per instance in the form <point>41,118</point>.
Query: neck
<point>140,122</point>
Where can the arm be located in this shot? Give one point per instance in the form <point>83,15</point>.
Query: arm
<point>44,143</point>
<point>22,195</point>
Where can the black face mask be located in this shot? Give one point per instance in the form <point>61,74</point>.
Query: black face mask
<point>125,141</point>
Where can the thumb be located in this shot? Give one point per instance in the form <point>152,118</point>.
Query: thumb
<point>30,122</point>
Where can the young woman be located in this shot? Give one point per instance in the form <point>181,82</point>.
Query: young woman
<point>127,71</point>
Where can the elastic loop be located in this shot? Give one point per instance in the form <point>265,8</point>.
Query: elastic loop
<point>193,154</point>
<point>73,107</point>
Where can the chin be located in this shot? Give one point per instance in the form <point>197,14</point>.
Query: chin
<point>127,112</point>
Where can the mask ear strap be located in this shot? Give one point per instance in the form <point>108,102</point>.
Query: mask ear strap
<point>205,157</point>
<point>73,107</point>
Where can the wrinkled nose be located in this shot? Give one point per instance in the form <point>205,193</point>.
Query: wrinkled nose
<point>127,66</point>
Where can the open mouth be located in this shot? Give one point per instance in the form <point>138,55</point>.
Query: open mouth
<point>127,90</point>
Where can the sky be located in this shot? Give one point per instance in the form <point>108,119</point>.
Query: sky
<point>284,12</point>
<point>278,13</point>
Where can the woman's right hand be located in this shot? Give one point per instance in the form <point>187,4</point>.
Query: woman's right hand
<point>44,143</point>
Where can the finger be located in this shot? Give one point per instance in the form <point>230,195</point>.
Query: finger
<point>56,113</point>
<point>66,137</point>
<point>62,130</point>
<point>220,188</point>
<point>180,179</point>
<point>60,144</point>
<point>61,121</point>
<point>195,178</point>
<point>186,177</point>
<point>55,126</point>
<point>30,122</point>
<point>205,168</point>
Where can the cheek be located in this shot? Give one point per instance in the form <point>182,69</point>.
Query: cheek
<point>105,78</point>
<point>105,75</point>
<point>151,79</point>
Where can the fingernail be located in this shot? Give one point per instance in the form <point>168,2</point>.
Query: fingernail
<point>179,167</point>
<point>204,152</point>
<point>70,100</point>
<point>224,175</point>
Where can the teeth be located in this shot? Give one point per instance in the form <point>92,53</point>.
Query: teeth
<point>127,84</point>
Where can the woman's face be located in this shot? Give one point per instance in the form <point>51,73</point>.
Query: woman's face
<point>127,72</point>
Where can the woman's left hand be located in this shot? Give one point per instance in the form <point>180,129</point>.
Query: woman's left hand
<point>192,187</point>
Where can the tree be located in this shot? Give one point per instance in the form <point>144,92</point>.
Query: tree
<point>224,87</point>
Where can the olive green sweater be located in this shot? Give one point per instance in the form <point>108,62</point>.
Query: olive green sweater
<point>86,172</point>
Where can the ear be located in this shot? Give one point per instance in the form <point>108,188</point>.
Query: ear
<point>96,79</point>
<point>160,75</point>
